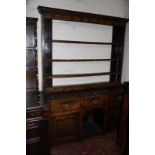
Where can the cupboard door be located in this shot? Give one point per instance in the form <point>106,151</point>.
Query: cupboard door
<point>113,118</point>
<point>65,127</point>
<point>32,130</point>
<point>32,113</point>
<point>33,148</point>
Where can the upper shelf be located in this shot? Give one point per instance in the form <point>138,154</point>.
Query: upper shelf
<point>67,15</point>
<point>81,42</point>
<point>80,60</point>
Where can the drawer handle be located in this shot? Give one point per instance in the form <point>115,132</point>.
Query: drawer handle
<point>119,98</point>
<point>36,113</point>
<point>95,102</point>
<point>65,106</point>
<point>95,93</point>
<point>32,114</point>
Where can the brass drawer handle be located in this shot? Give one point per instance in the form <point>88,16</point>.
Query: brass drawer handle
<point>32,114</point>
<point>36,113</point>
<point>95,100</point>
<point>95,93</point>
<point>65,106</point>
<point>119,98</point>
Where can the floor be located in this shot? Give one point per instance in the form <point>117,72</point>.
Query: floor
<point>97,145</point>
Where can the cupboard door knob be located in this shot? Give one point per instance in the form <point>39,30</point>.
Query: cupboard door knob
<point>95,102</point>
<point>119,98</point>
<point>65,106</point>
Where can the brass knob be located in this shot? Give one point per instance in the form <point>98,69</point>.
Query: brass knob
<point>65,106</point>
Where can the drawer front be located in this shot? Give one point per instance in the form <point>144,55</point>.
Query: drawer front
<point>33,148</point>
<point>33,113</point>
<point>45,113</point>
<point>115,99</point>
<point>32,130</point>
<point>92,101</point>
<point>113,118</point>
<point>66,126</point>
<point>61,106</point>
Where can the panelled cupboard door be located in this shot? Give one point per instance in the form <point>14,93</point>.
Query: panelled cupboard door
<point>65,127</point>
<point>114,111</point>
<point>33,148</point>
<point>113,118</point>
<point>32,130</point>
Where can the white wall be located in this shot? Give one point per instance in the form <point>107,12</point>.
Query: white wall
<point>118,8</point>
<point>125,71</point>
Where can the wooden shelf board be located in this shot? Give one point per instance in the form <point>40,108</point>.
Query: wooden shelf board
<point>78,75</point>
<point>78,42</point>
<point>80,60</point>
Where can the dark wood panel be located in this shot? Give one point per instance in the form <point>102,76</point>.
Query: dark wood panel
<point>33,147</point>
<point>35,112</point>
<point>115,99</point>
<point>64,128</point>
<point>117,51</point>
<point>30,58</point>
<point>32,99</point>
<point>123,131</point>
<point>114,108</point>
<point>113,118</point>
<point>35,69</point>
<point>31,55</point>
<point>31,80</point>
<point>44,136</point>
<point>61,14</point>
<point>47,51</point>
<point>32,130</point>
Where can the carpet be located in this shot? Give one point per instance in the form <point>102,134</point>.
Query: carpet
<point>97,145</point>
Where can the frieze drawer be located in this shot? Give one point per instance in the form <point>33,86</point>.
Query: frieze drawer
<point>91,101</point>
<point>64,106</point>
<point>34,113</point>
<point>32,129</point>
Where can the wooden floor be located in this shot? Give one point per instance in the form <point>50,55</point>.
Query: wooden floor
<point>97,145</point>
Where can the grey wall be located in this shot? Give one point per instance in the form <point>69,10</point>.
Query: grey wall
<point>125,71</point>
<point>118,8</point>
